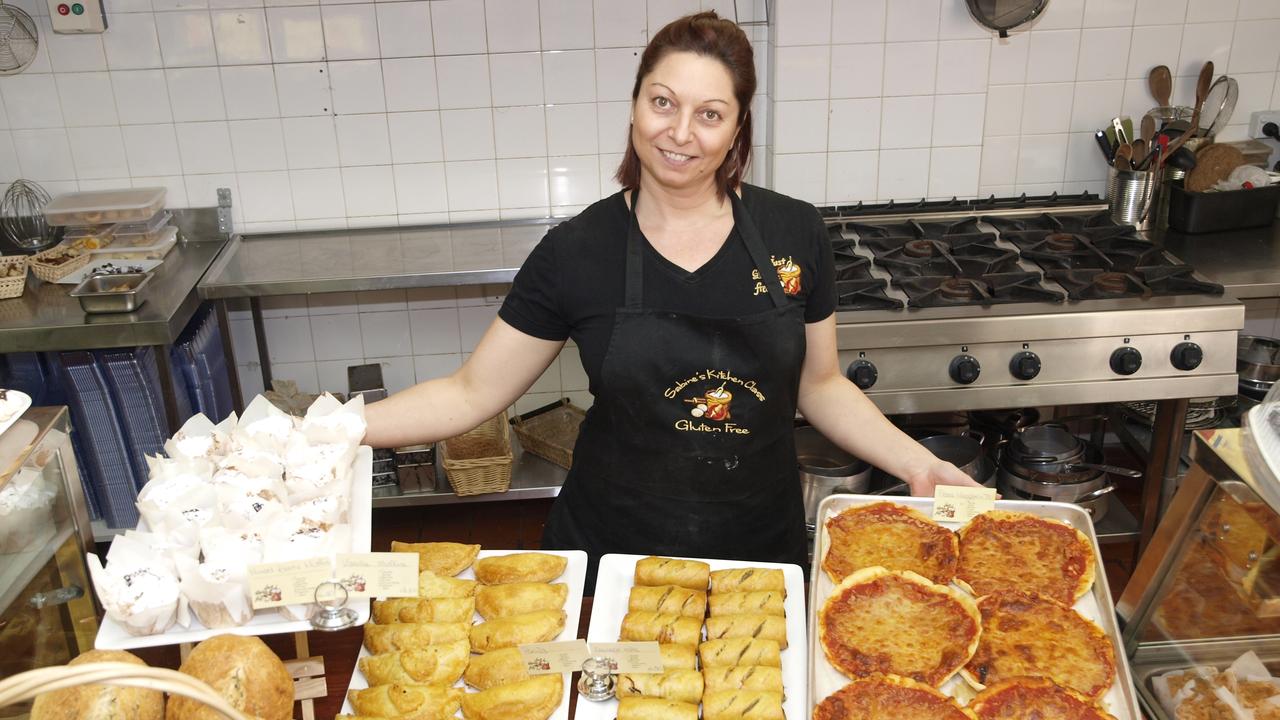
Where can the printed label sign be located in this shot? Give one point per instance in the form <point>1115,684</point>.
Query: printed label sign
<point>287,583</point>
<point>630,657</point>
<point>382,574</point>
<point>952,503</point>
<point>554,657</point>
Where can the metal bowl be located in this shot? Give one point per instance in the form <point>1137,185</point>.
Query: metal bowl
<point>1258,358</point>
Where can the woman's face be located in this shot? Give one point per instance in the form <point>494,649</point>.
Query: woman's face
<point>684,120</point>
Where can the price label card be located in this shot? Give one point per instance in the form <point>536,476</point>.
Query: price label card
<point>287,583</point>
<point>630,657</point>
<point>554,657</point>
<point>383,574</point>
<point>952,503</point>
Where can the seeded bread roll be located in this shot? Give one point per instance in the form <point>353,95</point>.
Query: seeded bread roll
<point>244,671</point>
<point>100,702</point>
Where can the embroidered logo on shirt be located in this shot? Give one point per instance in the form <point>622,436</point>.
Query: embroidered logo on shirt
<point>713,402</point>
<point>788,274</point>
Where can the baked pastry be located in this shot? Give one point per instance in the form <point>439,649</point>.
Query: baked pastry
<point>430,665</point>
<point>442,558</point>
<point>499,667</point>
<point>407,636</point>
<point>244,671</point>
<point>422,610</point>
<point>431,585</point>
<point>1033,635</point>
<point>645,625</point>
<point>1033,698</point>
<point>419,702</point>
<point>678,657</point>
<point>682,685</point>
<point>754,625</point>
<point>532,699</point>
<point>513,630</point>
<point>692,574</point>
<point>668,600</point>
<point>767,602</point>
<point>742,705</point>
<point>740,651</point>
<point>1003,550</point>
<point>891,536</point>
<point>494,601</point>
<point>520,567</point>
<point>100,702</point>
<point>748,579</point>
<point>742,677</point>
<point>897,622</point>
<point>645,708</point>
<point>890,697</point>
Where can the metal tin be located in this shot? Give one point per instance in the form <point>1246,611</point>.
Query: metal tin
<point>95,294</point>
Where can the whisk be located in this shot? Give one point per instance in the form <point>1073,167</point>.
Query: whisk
<point>22,216</point>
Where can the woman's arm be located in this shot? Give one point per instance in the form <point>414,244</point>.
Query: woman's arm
<point>503,366</point>
<point>839,410</point>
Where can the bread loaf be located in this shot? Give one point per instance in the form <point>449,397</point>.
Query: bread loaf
<point>244,671</point>
<point>100,702</point>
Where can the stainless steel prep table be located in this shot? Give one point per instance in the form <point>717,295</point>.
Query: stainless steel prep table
<point>1246,262</point>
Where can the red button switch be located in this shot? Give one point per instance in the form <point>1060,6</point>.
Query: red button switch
<point>64,9</point>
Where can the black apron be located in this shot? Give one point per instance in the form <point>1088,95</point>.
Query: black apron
<point>688,448</point>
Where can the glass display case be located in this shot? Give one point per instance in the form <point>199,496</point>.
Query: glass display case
<point>48,614</point>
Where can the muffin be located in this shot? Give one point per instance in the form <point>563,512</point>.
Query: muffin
<point>244,671</point>
<point>100,702</point>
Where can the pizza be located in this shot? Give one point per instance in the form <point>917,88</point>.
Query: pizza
<point>888,696</point>
<point>1025,634</point>
<point>892,536</point>
<point>1031,698</point>
<point>1002,550</point>
<point>897,622</point>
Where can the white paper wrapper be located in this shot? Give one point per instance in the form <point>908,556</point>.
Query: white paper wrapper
<point>242,510</point>
<point>199,438</point>
<point>263,427</point>
<point>178,500</point>
<point>325,510</point>
<point>138,588</point>
<point>328,421</point>
<point>298,542</point>
<point>217,594</point>
<point>163,545</point>
<point>313,471</point>
<point>250,468</point>
<point>232,548</point>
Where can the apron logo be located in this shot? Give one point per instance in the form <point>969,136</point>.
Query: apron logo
<point>788,274</point>
<point>713,403</point>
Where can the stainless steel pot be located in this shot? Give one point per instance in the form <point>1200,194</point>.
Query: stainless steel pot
<point>966,452</point>
<point>1084,483</point>
<point>1258,358</point>
<point>826,469</point>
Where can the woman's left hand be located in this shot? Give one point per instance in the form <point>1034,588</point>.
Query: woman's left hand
<point>939,472</point>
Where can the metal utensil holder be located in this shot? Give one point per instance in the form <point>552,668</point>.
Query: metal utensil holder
<point>1130,195</point>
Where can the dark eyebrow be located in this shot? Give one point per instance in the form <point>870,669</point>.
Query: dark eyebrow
<point>673,92</point>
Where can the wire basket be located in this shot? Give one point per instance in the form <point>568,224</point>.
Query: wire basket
<point>50,272</point>
<point>551,431</point>
<point>12,287</point>
<point>479,461</point>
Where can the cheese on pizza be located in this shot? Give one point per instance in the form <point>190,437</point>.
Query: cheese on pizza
<point>1028,698</point>
<point>888,696</point>
<point>891,536</point>
<point>1002,550</point>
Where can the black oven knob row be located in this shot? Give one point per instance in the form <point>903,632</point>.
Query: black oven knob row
<point>1126,361</point>
<point>1186,356</point>
<point>964,369</point>
<point>863,373</point>
<point>1025,365</point>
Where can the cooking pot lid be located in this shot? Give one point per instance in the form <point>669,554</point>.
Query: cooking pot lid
<point>1049,441</point>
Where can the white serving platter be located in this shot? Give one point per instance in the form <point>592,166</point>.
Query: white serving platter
<point>1096,605</point>
<point>78,276</point>
<point>614,581</point>
<point>113,636</point>
<point>23,401</point>
<point>575,576</point>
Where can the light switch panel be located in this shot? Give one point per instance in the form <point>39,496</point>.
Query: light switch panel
<point>77,16</point>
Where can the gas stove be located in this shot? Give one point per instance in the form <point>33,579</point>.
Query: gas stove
<point>1007,302</point>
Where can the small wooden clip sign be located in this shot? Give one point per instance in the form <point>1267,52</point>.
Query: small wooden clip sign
<point>287,583</point>
<point>378,574</point>
<point>551,658</point>
<point>630,657</point>
<point>955,504</point>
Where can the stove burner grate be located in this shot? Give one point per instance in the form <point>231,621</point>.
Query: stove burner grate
<point>1094,284</point>
<point>986,289</point>
<point>864,294</point>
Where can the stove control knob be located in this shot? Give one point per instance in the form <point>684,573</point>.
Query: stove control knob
<point>1126,360</point>
<point>964,369</point>
<point>863,373</point>
<point>1186,356</point>
<point>1025,365</point>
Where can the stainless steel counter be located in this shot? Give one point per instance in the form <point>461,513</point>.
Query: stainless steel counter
<point>1246,262</point>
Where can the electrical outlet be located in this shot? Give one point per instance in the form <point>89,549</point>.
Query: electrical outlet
<point>1260,118</point>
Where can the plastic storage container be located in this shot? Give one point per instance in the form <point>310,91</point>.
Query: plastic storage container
<point>134,205</point>
<point>89,237</point>
<point>125,250</point>
<point>1203,212</point>
<point>143,233</point>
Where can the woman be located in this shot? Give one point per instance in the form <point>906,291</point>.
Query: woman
<point>703,312</point>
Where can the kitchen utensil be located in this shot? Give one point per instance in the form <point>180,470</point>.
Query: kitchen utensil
<point>1127,123</point>
<point>22,215</point>
<point>1258,358</point>
<point>112,293</point>
<point>1139,151</point>
<point>1004,15</point>
<point>1160,82</point>
<point>964,451</point>
<point>1124,157</point>
<point>19,39</point>
<point>826,469</point>
<point>1219,105</point>
<point>1182,159</point>
<point>1121,136</point>
<point>1108,151</point>
<point>1147,131</point>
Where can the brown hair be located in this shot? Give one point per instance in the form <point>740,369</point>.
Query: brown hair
<point>706,34</point>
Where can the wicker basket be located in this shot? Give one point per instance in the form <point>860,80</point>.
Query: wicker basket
<point>12,287</point>
<point>54,273</point>
<point>479,461</point>
<point>27,685</point>
<point>551,431</point>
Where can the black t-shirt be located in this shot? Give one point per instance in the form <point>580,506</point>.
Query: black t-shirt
<point>572,283</point>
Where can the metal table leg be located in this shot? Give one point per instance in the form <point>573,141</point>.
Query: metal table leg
<point>166,387</point>
<point>1162,463</point>
<point>260,334</point>
<point>229,355</point>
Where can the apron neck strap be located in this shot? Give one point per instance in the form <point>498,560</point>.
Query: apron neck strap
<point>634,287</point>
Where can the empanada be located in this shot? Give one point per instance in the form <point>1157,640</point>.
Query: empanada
<point>669,600</point>
<point>441,558</point>
<point>748,579</point>
<point>679,657</point>
<point>740,651</point>
<point>754,625</point>
<point>416,702</point>
<point>682,685</point>
<point>432,585</point>
<point>407,636</point>
<point>690,574</point>
<point>644,708</point>
<point>494,601</point>
<point>424,610</point>
<point>645,625</point>
<point>499,667</point>
<point>742,677</point>
<point>532,699</point>
<point>520,567</point>
<point>742,705</point>
<point>769,602</point>
<point>430,665</point>
<point>513,630</point>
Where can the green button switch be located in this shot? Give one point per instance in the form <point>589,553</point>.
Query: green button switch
<point>77,9</point>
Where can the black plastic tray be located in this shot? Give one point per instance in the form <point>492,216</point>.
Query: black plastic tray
<point>1203,212</point>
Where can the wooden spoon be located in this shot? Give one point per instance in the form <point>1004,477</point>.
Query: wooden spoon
<point>1202,91</point>
<point>1139,148</point>
<point>1148,131</point>
<point>1160,81</point>
<point>1124,157</point>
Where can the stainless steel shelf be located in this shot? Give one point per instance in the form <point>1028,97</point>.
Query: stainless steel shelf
<point>1118,525</point>
<point>532,478</point>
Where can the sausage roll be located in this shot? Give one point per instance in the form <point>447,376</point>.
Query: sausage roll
<point>768,627</point>
<point>668,600</point>
<point>747,580</point>
<point>768,602</point>
<point>740,651</point>
<point>679,657</point>
<point>681,685</point>
<point>742,705</point>
<point>690,574</point>
<point>742,677</point>
<point>644,625</point>
<point>644,708</point>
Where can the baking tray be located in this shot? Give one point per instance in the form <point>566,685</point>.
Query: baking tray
<point>1121,700</point>
<point>96,295</point>
<point>613,590</point>
<point>575,576</point>
<point>97,264</point>
<point>112,636</point>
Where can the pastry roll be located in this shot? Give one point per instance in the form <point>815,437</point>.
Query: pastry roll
<point>681,685</point>
<point>679,657</point>
<point>431,585</point>
<point>407,636</point>
<point>520,567</point>
<point>494,601</point>
<point>532,699</point>
<point>742,677</point>
<point>754,625</point>
<point>747,580</point>
<point>768,602</point>
<point>645,625</point>
<point>742,705</point>
<point>668,600</point>
<point>430,665</point>
<point>424,610</point>
<point>513,630</point>
<point>740,651</point>
<point>644,708</point>
<point>500,667</point>
<point>420,702</point>
<point>441,558</point>
<point>690,574</point>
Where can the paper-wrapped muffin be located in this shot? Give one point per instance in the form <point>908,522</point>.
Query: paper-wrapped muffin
<point>138,588</point>
<point>218,593</point>
<point>100,702</point>
<point>244,671</point>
